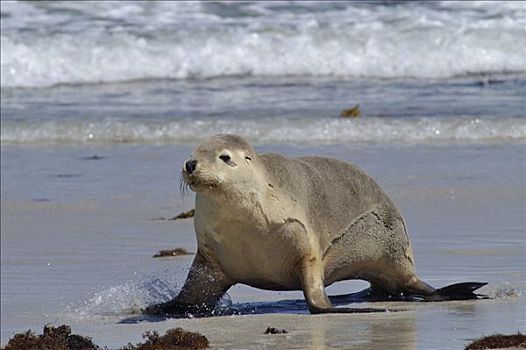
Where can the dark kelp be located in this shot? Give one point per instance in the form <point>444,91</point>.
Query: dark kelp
<point>272,330</point>
<point>353,112</point>
<point>53,338</point>
<point>171,253</point>
<point>184,215</point>
<point>174,339</point>
<point>60,338</point>
<point>499,341</point>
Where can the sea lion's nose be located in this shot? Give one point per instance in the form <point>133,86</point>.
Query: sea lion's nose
<point>190,166</point>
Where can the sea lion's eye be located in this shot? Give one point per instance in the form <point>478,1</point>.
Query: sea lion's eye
<point>248,158</point>
<point>225,158</point>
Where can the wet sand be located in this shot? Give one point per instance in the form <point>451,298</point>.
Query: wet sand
<point>78,239</point>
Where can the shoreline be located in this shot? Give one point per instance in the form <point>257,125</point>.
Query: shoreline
<point>78,250</point>
<point>331,331</point>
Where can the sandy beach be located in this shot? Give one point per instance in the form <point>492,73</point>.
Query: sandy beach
<point>78,249</point>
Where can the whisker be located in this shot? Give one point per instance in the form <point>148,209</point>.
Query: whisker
<point>183,187</point>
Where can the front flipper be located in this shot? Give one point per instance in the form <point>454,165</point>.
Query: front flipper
<point>203,288</point>
<point>314,291</point>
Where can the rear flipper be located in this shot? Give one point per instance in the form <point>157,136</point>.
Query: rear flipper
<point>457,291</point>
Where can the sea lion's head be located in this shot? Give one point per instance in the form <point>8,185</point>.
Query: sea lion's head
<point>220,163</point>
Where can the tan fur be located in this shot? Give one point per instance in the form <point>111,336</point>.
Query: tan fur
<point>282,223</point>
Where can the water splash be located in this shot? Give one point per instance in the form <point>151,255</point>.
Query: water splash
<point>505,291</point>
<point>127,298</point>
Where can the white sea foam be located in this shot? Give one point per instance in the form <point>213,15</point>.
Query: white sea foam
<point>52,43</point>
<point>272,130</point>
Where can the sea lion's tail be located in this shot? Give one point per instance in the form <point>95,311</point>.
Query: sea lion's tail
<point>457,291</point>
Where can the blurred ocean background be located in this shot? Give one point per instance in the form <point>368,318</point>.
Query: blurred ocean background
<point>102,102</point>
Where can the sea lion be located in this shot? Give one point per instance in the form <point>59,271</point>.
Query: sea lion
<point>280,223</point>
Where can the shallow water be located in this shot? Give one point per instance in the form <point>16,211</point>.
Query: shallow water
<point>269,110</point>
<point>77,248</point>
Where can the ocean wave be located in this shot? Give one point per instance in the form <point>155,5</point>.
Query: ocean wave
<point>66,43</point>
<point>271,130</point>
